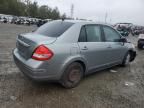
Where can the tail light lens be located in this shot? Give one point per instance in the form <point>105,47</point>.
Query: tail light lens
<point>42,53</point>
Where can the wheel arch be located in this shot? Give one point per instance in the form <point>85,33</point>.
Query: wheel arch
<point>72,60</point>
<point>83,64</point>
<point>132,55</point>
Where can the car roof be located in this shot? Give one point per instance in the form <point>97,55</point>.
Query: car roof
<point>84,22</point>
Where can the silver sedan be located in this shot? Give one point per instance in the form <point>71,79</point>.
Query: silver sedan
<point>67,50</point>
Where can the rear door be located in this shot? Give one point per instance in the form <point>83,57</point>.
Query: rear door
<point>92,46</point>
<point>116,50</point>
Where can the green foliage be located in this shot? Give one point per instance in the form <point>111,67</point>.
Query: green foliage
<point>28,8</point>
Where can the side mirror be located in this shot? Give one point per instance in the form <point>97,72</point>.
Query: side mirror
<point>121,33</point>
<point>124,40</point>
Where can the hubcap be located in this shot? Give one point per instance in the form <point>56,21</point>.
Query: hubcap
<point>74,75</point>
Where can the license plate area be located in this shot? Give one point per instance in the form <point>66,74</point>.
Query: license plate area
<point>23,51</point>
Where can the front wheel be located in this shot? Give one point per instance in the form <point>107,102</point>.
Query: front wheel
<point>72,75</point>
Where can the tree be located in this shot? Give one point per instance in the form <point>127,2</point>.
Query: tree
<point>43,12</point>
<point>33,9</point>
<point>55,14</point>
<point>64,16</point>
<point>28,8</point>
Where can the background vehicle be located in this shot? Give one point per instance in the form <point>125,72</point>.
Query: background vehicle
<point>1,19</point>
<point>136,30</point>
<point>65,51</point>
<point>140,43</point>
<point>124,28</point>
<point>41,22</point>
<point>123,32</point>
<point>5,20</point>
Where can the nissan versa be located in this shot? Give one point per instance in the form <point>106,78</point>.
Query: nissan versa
<point>67,50</point>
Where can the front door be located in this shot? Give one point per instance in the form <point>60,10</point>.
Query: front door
<point>117,50</point>
<point>92,46</point>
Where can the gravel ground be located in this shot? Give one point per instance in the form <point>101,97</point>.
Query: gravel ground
<point>122,88</point>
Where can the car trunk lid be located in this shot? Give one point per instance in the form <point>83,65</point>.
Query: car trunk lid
<point>26,43</point>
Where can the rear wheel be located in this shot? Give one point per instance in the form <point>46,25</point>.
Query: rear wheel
<point>72,75</point>
<point>139,46</point>
<point>126,60</point>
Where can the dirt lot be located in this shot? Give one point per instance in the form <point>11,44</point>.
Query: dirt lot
<point>105,89</point>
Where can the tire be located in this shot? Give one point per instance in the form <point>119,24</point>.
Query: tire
<point>72,75</point>
<point>139,46</point>
<point>126,60</point>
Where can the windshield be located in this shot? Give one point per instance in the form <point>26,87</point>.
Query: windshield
<point>54,28</point>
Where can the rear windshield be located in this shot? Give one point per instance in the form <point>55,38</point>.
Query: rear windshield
<point>54,28</point>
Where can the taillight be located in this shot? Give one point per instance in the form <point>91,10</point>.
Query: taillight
<point>42,53</point>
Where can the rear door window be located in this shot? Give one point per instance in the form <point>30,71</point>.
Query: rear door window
<point>54,28</point>
<point>90,33</point>
<point>93,33</point>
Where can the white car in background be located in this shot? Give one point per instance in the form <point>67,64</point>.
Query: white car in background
<point>140,43</point>
<point>1,20</point>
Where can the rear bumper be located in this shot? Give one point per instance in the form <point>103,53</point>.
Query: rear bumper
<point>36,74</point>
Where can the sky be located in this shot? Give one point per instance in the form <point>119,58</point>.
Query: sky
<point>131,11</point>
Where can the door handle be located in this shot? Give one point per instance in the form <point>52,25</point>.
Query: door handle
<point>84,48</point>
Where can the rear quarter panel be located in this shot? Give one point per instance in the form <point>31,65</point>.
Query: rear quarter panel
<point>64,55</point>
